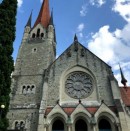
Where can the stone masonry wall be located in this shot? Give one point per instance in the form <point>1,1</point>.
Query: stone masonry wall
<point>81,59</point>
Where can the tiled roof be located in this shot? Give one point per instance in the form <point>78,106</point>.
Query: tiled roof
<point>125,94</point>
<point>92,110</point>
<point>48,110</point>
<point>69,110</point>
<point>44,15</point>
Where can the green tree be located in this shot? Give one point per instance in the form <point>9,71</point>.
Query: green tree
<point>8,9</point>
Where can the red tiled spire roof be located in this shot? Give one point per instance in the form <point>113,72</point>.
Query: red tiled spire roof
<point>44,14</point>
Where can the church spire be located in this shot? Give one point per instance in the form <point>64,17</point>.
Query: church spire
<point>44,15</point>
<point>51,19</point>
<point>123,80</point>
<point>29,21</point>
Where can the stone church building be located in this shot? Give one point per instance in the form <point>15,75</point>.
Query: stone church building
<point>75,92</point>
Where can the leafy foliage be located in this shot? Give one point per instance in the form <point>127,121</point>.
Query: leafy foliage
<point>8,9</point>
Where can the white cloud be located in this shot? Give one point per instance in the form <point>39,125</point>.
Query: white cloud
<point>20,2</point>
<point>123,8</point>
<point>41,1</point>
<point>97,3</point>
<point>80,34</point>
<point>80,27</point>
<point>124,65</point>
<point>113,47</point>
<point>83,10</point>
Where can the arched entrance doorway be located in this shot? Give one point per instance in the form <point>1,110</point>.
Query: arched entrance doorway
<point>104,125</point>
<point>58,125</point>
<point>80,125</point>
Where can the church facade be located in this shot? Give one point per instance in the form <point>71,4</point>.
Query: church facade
<point>75,92</point>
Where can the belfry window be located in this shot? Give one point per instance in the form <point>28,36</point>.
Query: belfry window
<point>42,35</point>
<point>17,126</point>
<point>22,125</point>
<point>58,126</point>
<point>38,32</point>
<point>104,125</point>
<point>33,35</point>
<point>80,125</point>
<point>24,90</point>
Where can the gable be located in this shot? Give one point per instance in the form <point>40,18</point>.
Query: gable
<point>78,59</point>
<point>82,51</point>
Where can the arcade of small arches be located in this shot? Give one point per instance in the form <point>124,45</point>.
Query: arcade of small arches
<point>19,125</point>
<point>28,89</point>
<point>38,34</point>
<point>82,124</point>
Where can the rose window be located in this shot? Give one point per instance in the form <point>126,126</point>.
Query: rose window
<point>79,85</point>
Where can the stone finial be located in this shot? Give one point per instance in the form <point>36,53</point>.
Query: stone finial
<point>123,80</point>
<point>79,101</point>
<point>58,101</point>
<point>102,101</point>
<point>75,38</point>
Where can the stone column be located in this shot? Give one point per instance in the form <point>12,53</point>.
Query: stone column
<point>118,126</point>
<point>42,108</point>
<point>94,128</point>
<point>94,123</point>
<point>69,124</point>
<point>46,127</point>
<point>69,127</point>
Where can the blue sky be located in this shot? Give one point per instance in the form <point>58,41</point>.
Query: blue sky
<point>103,26</point>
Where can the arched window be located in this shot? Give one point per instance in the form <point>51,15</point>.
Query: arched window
<point>17,125</point>
<point>22,125</point>
<point>24,90</point>
<point>33,35</point>
<point>33,89</point>
<point>104,125</point>
<point>80,125</point>
<point>42,35</point>
<point>58,126</point>
<point>28,89</point>
<point>38,32</point>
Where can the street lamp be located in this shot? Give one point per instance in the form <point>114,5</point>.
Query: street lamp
<point>2,106</point>
<point>1,109</point>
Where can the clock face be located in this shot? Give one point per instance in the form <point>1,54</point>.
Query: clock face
<point>79,85</point>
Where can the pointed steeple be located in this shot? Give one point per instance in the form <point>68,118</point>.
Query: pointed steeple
<point>75,38</point>
<point>51,19</point>
<point>123,80</point>
<point>44,15</point>
<point>29,21</point>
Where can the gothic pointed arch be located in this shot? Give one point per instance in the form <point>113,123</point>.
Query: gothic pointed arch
<point>81,125</point>
<point>58,125</point>
<point>104,125</point>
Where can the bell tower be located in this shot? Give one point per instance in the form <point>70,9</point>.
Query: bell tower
<point>37,51</point>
